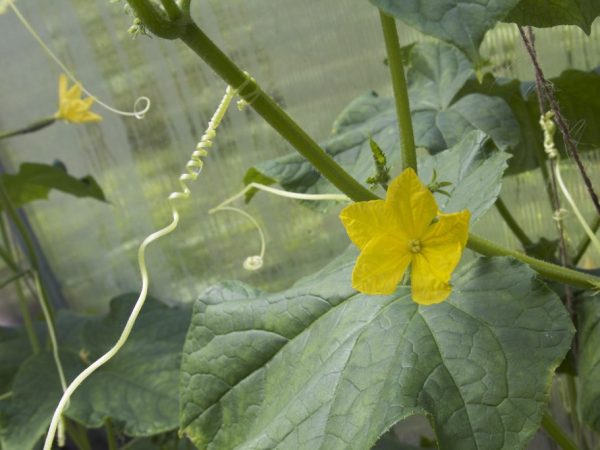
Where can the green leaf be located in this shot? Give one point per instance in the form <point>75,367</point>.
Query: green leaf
<point>579,96</point>
<point>475,169</point>
<point>544,13</point>
<point>588,314</point>
<point>34,181</point>
<point>14,349</point>
<point>138,387</point>
<point>435,75</point>
<point>36,392</point>
<point>462,23</point>
<point>321,366</point>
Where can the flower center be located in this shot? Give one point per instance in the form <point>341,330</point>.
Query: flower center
<point>414,245</point>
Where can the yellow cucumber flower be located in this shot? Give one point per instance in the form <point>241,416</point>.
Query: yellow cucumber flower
<point>71,107</point>
<point>406,228</point>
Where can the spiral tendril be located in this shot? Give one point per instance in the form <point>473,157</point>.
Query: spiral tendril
<point>255,262</point>
<point>193,168</point>
<point>138,111</point>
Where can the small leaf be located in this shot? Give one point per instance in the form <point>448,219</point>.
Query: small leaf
<point>320,366</point>
<point>34,181</point>
<point>472,172</point>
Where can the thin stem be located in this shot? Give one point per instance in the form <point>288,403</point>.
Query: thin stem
<point>545,269</point>
<point>23,307</point>
<point>585,243</point>
<point>171,8</point>
<point>394,56</point>
<point>110,435</point>
<point>35,126</point>
<point>6,395</point>
<point>13,278</point>
<point>512,223</point>
<point>572,408</point>
<point>78,435</point>
<point>6,203</point>
<point>557,433</point>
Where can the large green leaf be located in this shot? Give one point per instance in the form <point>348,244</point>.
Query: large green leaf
<point>435,75</point>
<point>465,166</point>
<point>577,92</point>
<point>321,366</point>
<point>460,22</point>
<point>588,313</point>
<point>137,389</point>
<point>139,386</point>
<point>545,13</point>
<point>34,181</point>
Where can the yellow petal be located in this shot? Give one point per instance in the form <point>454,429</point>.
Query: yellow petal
<point>365,220</point>
<point>90,117</point>
<point>411,204</point>
<point>74,93</point>
<point>443,243</point>
<point>381,265</point>
<point>427,289</point>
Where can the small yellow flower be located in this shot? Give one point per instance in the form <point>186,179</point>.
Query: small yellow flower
<point>71,107</point>
<point>406,228</point>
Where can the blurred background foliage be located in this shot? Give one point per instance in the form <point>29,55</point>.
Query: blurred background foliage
<point>313,57</point>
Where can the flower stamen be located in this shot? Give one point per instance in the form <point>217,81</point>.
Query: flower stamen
<point>414,245</point>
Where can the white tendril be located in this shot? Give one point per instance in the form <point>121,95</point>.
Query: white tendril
<point>138,111</point>
<point>255,262</point>
<point>193,168</point>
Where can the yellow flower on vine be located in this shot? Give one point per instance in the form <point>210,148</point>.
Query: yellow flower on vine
<point>406,229</point>
<point>71,107</point>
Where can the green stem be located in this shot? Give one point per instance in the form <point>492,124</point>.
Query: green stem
<point>512,223</point>
<point>394,56</point>
<point>557,433</point>
<point>585,243</point>
<point>78,435</point>
<point>110,435</point>
<point>545,269</point>
<point>22,301</point>
<point>266,107</point>
<point>13,278</point>
<point>35,126</point>
<point>6,396</point>
<point>172,9</point>
<point>7,205</point>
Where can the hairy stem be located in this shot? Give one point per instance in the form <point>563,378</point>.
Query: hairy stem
<point>513,224</point>
<point>394,56</point>
<point>111,437</point>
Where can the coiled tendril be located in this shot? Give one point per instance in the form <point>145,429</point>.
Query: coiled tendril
<point>193,168</point>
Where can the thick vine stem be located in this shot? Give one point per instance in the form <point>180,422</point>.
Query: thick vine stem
<point>556,432</point>
<point>268,109</point>
<point>156,22</point>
